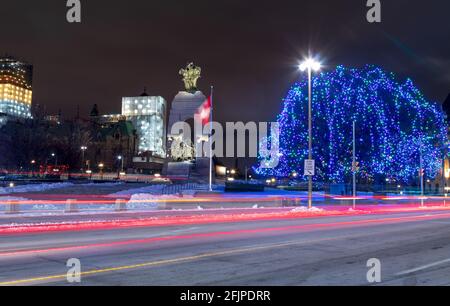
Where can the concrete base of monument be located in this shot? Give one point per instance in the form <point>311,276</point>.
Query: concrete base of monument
<point>196,171</point>
<point>176,169</point>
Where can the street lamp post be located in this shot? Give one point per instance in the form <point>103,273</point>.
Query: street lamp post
<point>33,162</point>
<point>354,168</point>
<point>421,173</point>
<point>83,149</point>
<point>310,65</point>
<point>119,169</point>
<point>56,159</point>
<point>101,165</point>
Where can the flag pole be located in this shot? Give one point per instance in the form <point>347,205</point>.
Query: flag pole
<point>210,141</point>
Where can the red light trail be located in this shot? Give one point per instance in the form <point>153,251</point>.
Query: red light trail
<point>223,217</point>
<point>305,227</point>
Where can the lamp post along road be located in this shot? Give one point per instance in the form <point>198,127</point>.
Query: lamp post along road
<point>310,65</point>
<point>421,173</point>
<point>83,149</point>
<point>120,158</point>
<point>309,134</point>
<point>210,141</point>
<point>354,164</point>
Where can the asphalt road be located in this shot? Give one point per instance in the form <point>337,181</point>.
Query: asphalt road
<point>413,248</point>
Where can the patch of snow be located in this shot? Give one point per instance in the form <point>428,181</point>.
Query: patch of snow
<point>45,207</point>
<point>151,189</point>
<point>9,198</point>
<point>34,187</point>
<point>306,209</point>
<point>142,201</point>
<point>112,184</point>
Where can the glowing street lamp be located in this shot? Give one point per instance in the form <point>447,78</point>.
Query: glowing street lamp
<point>83,150</point>
<point>33,162</point>
<point>309,65</point>
<point>120,170</point>
<point>56,159</point>
<point>101,166</point>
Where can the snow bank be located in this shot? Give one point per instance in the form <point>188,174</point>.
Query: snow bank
<point>5,199</point>
<point>151,189</point>
<point>143,201</point>
<point>45,207</point>
<point>40,205</point>
<point>112,184</point>
<point>34,187</point>
<point>306,209</point>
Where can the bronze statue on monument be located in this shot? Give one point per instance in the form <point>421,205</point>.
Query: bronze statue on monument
<point>190,76</point>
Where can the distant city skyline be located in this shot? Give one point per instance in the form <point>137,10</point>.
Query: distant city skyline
<point>248,51</point>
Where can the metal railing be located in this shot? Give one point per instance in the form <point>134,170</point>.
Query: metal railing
<point>178,188</point>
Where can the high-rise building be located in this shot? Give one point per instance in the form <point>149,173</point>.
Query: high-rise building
<point>148,115</point>
<point>15,88</point>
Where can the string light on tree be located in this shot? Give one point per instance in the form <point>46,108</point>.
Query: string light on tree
<point>393,120</point>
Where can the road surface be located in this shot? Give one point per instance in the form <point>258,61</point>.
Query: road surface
<point>413,248</point>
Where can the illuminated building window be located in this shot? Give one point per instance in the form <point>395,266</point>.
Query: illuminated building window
<point>148,117</point>
<point>15,88</point>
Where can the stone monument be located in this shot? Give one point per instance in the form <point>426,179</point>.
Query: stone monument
<point>186,103</point>
<point>183,108</point>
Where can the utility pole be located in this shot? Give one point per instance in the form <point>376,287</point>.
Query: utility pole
<point>421,173</point>
<point>354,164</point>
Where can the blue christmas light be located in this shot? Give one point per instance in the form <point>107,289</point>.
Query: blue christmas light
<point>395,122</point>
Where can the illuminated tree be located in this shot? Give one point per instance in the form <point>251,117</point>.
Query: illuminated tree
<point>395,122</point>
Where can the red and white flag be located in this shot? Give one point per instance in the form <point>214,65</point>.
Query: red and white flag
<point>204,111</point>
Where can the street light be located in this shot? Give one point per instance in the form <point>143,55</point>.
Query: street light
<point>101,165</point>
<point>309,65</point>
<point>83,150</point>
<point>33,162</point>
<point>119,170</point>
<point>56,159</point>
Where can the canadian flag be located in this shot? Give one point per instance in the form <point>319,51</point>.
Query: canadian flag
<point>204,111</point>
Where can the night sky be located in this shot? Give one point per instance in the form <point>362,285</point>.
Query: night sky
<point>247,49</point>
